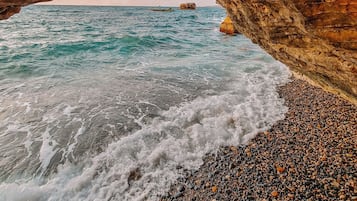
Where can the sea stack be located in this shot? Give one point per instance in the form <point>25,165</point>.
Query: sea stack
<point>316,39</point>
<point>188,6</point>
<point>228,27</point>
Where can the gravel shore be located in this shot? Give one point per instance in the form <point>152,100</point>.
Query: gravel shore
<point>310,155</point>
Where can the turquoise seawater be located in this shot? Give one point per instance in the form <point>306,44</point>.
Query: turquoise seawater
<point>104,103</point>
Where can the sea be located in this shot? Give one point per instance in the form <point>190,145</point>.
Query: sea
<point>110,103</point>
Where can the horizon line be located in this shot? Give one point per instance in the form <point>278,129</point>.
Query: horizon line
<point>40,4</point>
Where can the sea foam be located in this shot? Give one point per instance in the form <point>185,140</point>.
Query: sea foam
<point>180,136</point>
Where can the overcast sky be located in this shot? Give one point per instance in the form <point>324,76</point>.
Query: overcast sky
<point>131,2</point>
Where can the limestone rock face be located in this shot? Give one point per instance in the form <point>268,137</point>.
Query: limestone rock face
<point>227,26</point>
<point>10,7</point>
<point>315,38</point>
<point>187,6</point>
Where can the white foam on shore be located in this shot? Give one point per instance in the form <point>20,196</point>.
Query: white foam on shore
<point>181,136</point>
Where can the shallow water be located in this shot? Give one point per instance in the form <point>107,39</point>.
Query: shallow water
<point>104,103</point>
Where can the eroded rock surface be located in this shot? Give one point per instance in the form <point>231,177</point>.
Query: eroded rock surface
<point>10,7</point>
<point>315,38</point>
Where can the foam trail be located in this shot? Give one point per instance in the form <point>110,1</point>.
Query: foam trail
<point>47,151</point>
<point>79,132</point>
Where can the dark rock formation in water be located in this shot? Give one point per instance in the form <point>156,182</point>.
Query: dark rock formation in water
<point>188,6</point>
<point>316,39</point>
<point>9,8</point>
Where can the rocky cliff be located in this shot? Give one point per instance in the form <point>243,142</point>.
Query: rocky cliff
<point>315,38</point>
<point>10,7</point>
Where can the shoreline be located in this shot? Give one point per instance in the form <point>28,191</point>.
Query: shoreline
<point>309,155</point>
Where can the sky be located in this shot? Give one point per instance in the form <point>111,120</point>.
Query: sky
<point>175,3</point>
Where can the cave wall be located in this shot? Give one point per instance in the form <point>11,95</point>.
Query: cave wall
<point>316,39</point>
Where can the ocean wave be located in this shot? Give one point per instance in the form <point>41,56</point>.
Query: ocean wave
<point>111,106</point>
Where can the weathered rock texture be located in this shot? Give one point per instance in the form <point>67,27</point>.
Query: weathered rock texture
<point>227,26</point>
<point>10,7</point>
<point>315,38</point>
<point>187,6</point>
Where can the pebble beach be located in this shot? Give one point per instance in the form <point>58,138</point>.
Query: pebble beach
<point>310,155</point>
